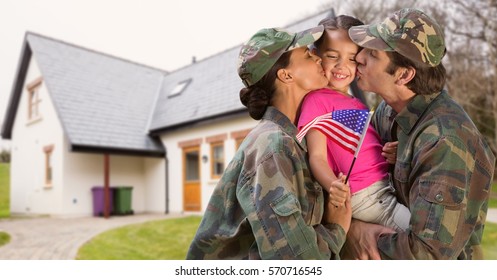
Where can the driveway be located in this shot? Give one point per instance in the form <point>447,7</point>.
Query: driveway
<point>60,238</point>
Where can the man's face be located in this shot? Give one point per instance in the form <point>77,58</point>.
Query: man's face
<point>371,72</point>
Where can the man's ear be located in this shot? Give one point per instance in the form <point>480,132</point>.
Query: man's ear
<point>405,75</point>
<point>284,75</point>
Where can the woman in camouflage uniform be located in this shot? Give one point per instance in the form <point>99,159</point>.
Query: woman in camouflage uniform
<point>267,205</point>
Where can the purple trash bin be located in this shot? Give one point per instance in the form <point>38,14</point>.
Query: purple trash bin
<point>99,200</point>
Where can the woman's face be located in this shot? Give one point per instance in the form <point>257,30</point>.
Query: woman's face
<point>306,70</point>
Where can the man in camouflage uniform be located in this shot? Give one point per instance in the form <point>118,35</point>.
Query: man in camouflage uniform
<point>266,205</point>
<point>444,167</point>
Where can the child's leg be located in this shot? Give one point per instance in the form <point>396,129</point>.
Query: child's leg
<point>378,204</point>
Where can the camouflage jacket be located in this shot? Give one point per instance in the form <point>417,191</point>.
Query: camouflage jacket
<point>267,205</point>
<point>443,174</point>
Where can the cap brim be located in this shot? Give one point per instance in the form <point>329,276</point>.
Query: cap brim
<point>306,37</point>
<point>367,36</point>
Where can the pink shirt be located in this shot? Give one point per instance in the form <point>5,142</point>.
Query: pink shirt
<point>370,165</point>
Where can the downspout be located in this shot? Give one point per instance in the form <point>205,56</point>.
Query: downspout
<point>167,182</point>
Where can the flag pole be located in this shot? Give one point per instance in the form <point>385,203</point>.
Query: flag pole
<point>363,135</point>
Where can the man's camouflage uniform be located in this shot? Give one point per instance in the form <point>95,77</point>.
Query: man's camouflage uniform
<point>443,174</point>
<point>444,166</point>
<point>266,205</point>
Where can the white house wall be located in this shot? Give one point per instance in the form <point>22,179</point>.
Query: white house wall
<point>83,171</point>
<point>175,154</point>
<point>155,182</point>
<point>29,195</point>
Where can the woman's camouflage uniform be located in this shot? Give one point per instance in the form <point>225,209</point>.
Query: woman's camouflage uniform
<point>266,205</point>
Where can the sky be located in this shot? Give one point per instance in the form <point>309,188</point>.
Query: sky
<point>160,33</point>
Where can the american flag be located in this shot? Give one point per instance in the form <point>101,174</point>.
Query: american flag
<point>345,127</point>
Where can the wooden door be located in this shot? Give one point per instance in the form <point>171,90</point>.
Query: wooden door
<point>191,178</point>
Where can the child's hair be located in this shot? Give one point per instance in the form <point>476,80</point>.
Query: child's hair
<point>334,23</point>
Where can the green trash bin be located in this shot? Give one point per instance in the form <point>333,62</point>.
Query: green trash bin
<point>122,200</point>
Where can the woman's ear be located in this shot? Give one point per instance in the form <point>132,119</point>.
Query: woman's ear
<point>405,75</point>
<point>284,75</point>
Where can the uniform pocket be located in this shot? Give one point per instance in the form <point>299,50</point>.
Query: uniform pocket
<point>289,216</point>
<point>437,212</point>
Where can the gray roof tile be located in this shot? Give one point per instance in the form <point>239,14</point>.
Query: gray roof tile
<point>214,89</point>
<point>102,101</point>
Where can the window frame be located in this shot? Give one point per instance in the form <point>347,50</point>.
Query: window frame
<point>34,99</point>
<point>48,178</point>
<point>215,160</point>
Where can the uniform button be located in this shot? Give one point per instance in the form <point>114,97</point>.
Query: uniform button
<point>439,197</point>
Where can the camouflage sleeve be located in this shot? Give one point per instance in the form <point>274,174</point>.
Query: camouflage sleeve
<point>276,204</point>
<point>447,200</point>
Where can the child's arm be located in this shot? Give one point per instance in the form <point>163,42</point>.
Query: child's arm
<point>390,152</point>
<point>318,159</point>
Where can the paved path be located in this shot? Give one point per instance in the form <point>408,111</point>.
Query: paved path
<point>59,238</point>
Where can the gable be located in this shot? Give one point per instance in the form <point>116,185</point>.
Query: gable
<point>103,102</point>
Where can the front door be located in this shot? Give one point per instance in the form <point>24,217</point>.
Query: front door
<point>191,171</point>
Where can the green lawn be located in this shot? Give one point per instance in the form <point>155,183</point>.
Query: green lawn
<point>4,190</point>
<point>157,240</point>
<point>4,238</point>
<point>492,203</point>
<point>169,240</point>
<point>489,241</point>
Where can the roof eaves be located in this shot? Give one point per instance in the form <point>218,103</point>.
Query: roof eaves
<point>15,96</point>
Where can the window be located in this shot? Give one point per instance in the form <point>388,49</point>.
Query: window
<point>179,88</point>
<point>217,154</point>
<point>48,165</point>
<point>217,162</point>
<point>34,99</point>
<point>239,136</point>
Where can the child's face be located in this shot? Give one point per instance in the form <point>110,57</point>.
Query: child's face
<point>338,54</point>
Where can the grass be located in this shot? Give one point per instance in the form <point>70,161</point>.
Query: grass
<point>4,238</point>
<point>169,240</point>
<point>489,241</point>
<point>492,203</point>
<point>157,240</point>
<point>4,190</point>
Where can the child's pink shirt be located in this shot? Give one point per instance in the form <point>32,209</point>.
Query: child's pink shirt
<point>370,165</point>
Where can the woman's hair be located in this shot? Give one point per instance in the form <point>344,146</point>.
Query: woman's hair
<point>258,96</point>
<point>335,23</point>
<point>427,80</point>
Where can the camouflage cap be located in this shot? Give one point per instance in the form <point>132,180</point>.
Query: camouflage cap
<point>410,32</point>
<point>261,52</point>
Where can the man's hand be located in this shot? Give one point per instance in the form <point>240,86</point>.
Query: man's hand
<point>389,151</point>
<point>361,243</point>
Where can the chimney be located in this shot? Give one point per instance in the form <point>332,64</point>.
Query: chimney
<point>194,59</point>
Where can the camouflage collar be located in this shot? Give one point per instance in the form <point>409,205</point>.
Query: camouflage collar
<point>272,114</point>
<point>409,116</point>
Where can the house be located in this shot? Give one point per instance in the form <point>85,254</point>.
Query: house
<point>79,119</point>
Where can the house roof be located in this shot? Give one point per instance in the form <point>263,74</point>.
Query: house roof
<point>107,104</point>
<point>102,101</point>
<point>213,90</point>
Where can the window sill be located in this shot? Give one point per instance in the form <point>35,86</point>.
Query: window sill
<point>213,181</point>
<point>33,121</point>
